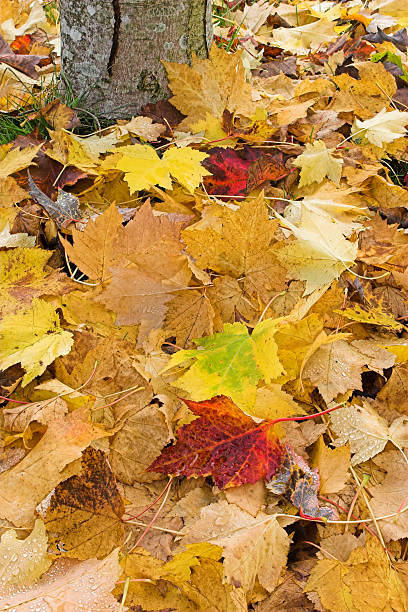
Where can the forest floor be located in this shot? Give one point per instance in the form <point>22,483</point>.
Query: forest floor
<point>204,342</point>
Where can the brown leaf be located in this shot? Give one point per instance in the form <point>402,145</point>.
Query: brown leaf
<point>84,518</point>
<point>190,315</point>
<point>333,465</point>
<point>137,444</point>
<point>390,496</point>
<point>28,482</point>
<point>57,115</point>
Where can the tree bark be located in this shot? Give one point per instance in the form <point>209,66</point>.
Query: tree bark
<point>111,49</point>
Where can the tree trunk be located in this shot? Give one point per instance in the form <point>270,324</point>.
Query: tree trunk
<point>111,49</point>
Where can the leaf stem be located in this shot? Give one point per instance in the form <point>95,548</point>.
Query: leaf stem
<point>154,518</point>
<point>150,505</point>
<point>309,416</point>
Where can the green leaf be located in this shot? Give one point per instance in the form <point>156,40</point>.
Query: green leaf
<point>230,363</point>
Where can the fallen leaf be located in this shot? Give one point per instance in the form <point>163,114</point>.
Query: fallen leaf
<point>224,443</point>
<point>28,482</point>
<point>239,243</point>
<point>253,547</point>
<point>64,211</point>
<point>316,163</point>
<point>142,127</point>
<point>230,362</point>
<point>384,127</point>
<point>333,465</point>
<point>335,368</point>
<point>361,426</point>
<point>25,276</point>
<point>94,248</point>
<point>24,561</point>
<point>34,338</point>
<point>298,483</point>
<point>389,497</point>
<point>209,87</point>
<point>19,417</point>
<point>9,240</point>
<point>320,252</point>
<point>84,586</point>
<point>84,516</point>
<point>365,581</point>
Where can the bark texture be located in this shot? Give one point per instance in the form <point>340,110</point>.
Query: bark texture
<point>111,49</point>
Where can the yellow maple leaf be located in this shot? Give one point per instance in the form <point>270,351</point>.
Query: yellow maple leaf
<point>239,243</point>
<point>185,166</point>
<point>384,127</point>
<point>209,86</point>
<point>316,163</point>
<point>320,253</point>
<point>69,151</point>
<point>34,338</point>
<point>366,581</point>
<point>143,167</point>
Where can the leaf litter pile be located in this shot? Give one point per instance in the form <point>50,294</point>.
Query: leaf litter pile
<point>204,349</point>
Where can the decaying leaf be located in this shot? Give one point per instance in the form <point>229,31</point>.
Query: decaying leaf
<point>84,516</point>
<point>28,482</point>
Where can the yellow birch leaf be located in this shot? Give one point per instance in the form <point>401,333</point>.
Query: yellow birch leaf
<point>84,587</point>
<point>320,252</point>
<point>22,562</point>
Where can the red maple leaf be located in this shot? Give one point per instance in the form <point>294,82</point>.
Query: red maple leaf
<point>223,443</point>
<point>237,173</point>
